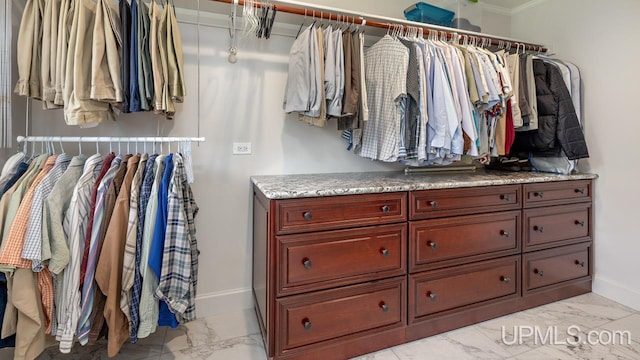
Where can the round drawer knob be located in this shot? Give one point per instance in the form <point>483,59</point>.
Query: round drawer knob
<point>505,197</point>
<point>385,252</point>
<point>307,216</point>
<point>538,228</point>
<point>384,307</point>
<point>578,222</point>
<point>307,263</point>
<point>434,204</point>
<point>579,263</point>
<point>505,279</point>
<point>386,209</point>
<point>306,324</point>
<point>538,272</point>
<point>504,233</point>
<point>432,244</point>
<point>431,295</point>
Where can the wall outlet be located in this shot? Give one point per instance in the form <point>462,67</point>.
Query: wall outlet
<point>241,148</point>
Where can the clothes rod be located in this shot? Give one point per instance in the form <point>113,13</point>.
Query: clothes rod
<point>331,13</point>
<point>105,139</point>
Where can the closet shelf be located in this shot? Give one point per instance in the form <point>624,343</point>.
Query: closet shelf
<point>383,22</point>
<point>104,139</point>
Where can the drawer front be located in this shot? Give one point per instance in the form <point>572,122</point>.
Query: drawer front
<point>553,266</point>
<point>330,314</point>
<point>436,291</point>
<point>554,193</point>
<point>331,258</point>
<point>557,225</point>
<point>442,240</point>
<point>430,204</point>
<point>339,212</point>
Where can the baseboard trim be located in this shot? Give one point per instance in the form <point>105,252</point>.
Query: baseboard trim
<point>617,292</point>
<point>222,302</point>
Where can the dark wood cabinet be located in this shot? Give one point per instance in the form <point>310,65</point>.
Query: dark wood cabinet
<point>340,276</point>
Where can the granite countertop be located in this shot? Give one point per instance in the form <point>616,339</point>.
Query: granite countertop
<point>317,185</point>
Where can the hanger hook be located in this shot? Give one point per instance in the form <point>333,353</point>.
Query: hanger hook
<point>80,145</point>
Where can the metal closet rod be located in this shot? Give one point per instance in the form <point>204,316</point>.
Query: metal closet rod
<point>106,139</point>
<point>330,13</point>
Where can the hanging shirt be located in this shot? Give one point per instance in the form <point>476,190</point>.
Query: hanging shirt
<point>20,170</point>
<point>148,304</point>
<point>50,19</point>
<point>165,316</point>
<point>109,267</point>
<point>125,54</point>
<point>29,50</point>
<point>106,81</point>
<point>386,68</point>
<point>64,28</point>
<point>156,64</point>
<point>145,193</point>
<point>177,88</point>
<point>301,78</point>
<point>145,80</point>
<point>134,57</point>
<point>319,117</point>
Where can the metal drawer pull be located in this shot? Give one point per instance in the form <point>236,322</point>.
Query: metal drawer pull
<point>307,263</point>
<point>538,194</point>
<point>306,323</point>
<point>386,209</point>
<point>384,307</point>
<point>579,191</point>
<point>505,197</point>
<point>504,233</point>
<point>579,263</point>
<point>539,272</point>
<point>385,252</point>
<point>538,228</point>
<point>307,215</point>
<point>505,279</point>
<point>432,244</point>
<point>578,222</point>
<point>434,204</point>
<point>431,295</point>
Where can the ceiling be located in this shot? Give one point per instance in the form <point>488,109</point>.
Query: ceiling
<point>507,4</point>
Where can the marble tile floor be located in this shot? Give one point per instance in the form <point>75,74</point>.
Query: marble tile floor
<point>236,337</point>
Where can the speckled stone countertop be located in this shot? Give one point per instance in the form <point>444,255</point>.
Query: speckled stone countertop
<point>317,185</point>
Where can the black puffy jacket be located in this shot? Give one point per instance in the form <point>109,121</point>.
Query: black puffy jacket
<point>558,125</point>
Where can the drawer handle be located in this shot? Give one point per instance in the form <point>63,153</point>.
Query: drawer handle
<point>386,209</point>
<point>504,233</point>
<point>505,279</point>
<point>434,204</point>
<point>580,191</point>
<point>307,263</point>
<point>578,222</point>
<point>306,323</point>
<point>431,295</point>
<point>538,272</point>
<point>579,263</point>
<point>385,252</point>
<point>538,228</point>
<point>384,307</point>
<point>538,194</point>
<point>307,215</point>
<point>505,197</point>
<point>432,244</point>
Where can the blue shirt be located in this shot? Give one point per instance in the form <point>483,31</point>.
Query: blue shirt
<point>134,86</point>
<point>22,168</point>
<point>166,317</point>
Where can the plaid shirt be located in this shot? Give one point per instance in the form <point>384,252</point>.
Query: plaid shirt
<point>145,194</point>
<point>32,249</point>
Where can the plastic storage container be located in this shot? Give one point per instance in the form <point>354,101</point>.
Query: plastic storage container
<point>427,13</point>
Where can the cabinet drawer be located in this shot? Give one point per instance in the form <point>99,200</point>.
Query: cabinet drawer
<point>557,225</point>
<point>340,257</point>
<point>329,314</point>
<point>436,291</point>
<point>440,242</point>
<point>339,212</point>
<point>430,204</point>
<point>553,266</point>
<point>554,193</point>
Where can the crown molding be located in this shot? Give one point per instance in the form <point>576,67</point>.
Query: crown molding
<point>496,9</point>
<point>526,6</point>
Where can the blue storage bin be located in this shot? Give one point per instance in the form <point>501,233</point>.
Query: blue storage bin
<point>427,13</point>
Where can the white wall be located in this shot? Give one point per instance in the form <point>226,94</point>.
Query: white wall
<point>229,103</point>
<point>597,36</point>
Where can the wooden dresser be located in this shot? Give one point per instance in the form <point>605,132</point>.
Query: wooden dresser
<point>347,264</point>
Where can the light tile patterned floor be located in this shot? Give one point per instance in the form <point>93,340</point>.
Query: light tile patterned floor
<point>237,337</point>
